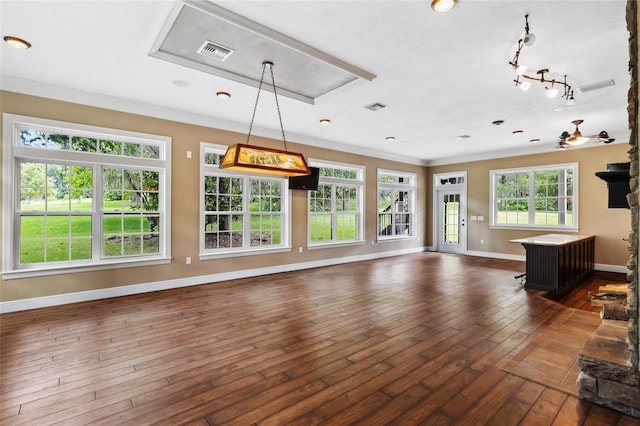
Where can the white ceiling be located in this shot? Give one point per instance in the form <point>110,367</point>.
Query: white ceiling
<point>441,75</point>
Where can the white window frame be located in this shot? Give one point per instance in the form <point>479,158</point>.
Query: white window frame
<point>13,153</point>
<point>359,183</point>
<point>493,213</point>
<point>411,188</point>
<point>211,170</point>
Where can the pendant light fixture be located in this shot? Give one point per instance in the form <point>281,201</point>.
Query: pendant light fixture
<point>255,159</point>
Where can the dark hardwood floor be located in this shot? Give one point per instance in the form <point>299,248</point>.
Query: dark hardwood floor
<point>417,339</point>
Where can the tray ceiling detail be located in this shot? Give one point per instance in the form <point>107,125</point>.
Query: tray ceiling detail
<point>209,38</point>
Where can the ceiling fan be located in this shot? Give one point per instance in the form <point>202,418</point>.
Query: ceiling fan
<point>569,140</point>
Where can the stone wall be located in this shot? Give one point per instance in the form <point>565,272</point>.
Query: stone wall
<point>632,108</point>
<point>610,360</point>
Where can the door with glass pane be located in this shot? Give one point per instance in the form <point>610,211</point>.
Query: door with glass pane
<point>452,213</point>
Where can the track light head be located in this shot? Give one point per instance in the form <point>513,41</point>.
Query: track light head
<point>529,39</point>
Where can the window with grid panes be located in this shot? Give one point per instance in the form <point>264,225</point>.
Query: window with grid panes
<point>335,208</point>
<point>241,213</point>
<point>396,204</point>
<point>542,197</point>
<point>84,197</point>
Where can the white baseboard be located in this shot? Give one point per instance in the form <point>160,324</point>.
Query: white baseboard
<point>597,266</point>
<point>83,296</point>
<point>611,268</point>
<point>493,255</point>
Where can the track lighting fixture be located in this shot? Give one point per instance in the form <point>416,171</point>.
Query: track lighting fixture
<point>523,80</point>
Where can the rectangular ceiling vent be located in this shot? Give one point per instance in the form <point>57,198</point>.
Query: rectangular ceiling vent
<point>214,50</point>
<point>376,107</point>
<point>596,86</point>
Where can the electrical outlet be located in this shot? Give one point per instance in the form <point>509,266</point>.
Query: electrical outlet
<point>299,249</point>
<point>481,241</point>
<point>188,260</point>
<point>189,155</point>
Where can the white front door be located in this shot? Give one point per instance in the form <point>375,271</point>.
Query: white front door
<point>450,211</point>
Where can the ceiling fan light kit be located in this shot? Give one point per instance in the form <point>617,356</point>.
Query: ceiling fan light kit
<point>524,80</point>
<point>570,140</point>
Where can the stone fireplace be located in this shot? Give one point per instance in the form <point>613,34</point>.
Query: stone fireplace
<point>609,361</point>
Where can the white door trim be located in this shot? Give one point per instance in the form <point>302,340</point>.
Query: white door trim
<point>446,182</point>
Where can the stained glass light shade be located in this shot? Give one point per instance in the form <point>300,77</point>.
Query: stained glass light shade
<point>256,159</point>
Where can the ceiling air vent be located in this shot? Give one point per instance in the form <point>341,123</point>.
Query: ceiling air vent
<point>376,107</point>
<point>215,51</point>
<point>596,86</point>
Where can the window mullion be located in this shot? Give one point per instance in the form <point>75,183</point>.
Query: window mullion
<point>532,197</point>
<point>97,213</point>
<point>246,213</point>
<point>334,212</point>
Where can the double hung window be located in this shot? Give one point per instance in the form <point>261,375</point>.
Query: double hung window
<point>83,197</point>
<point>336,207</point>
<point>396,204</point>
<point>241,213</point>
<point>542,197</point>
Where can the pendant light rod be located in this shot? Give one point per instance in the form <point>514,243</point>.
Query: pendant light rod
<point>255,159</point>
<point>266,64</point>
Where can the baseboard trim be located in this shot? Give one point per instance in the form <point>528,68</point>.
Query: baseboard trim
<point>84,296</point>
<point>611,268</point>
<point>493,255</point>
<point>597,266</point>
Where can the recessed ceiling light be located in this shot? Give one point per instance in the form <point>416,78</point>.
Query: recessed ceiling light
<point>517,132</point>
<point>223,95</point>
<point>391,138</point>
<point>325,121</point>
<point>535,140</point>
<point>17,42</point>
<point>442,6</point>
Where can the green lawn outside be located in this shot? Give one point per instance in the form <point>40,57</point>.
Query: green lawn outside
<point>522,218</point>
<point>69,237</point>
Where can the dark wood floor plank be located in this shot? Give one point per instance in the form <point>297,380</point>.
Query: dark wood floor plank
<point>403,340</point>
<point>436,399</point>
<point>467,397</point>
<point>487,406</point>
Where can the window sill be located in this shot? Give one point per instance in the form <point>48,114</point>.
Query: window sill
<point>395,238</point>
<point>72,269</point>
<point>238,253</point>
<point>334,244</point>
<point>537,228</point>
